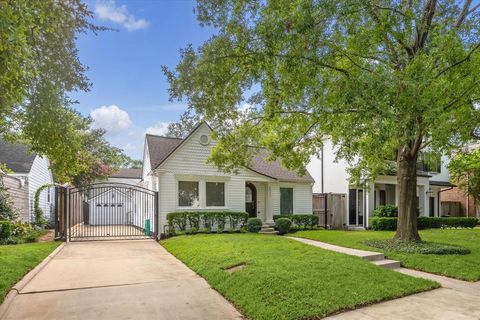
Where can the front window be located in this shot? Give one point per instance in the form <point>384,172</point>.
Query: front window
<point>188,194</point>
<point>286,200</point>
<point>215,194</point>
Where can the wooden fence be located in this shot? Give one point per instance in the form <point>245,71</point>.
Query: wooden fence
<point>330,209</point>
<point>18,191</point>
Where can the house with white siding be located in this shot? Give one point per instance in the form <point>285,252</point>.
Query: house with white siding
<point>32,171</point>
<point>331,176</point>
<point>178,170</point>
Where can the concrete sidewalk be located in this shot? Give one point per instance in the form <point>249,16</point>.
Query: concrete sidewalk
<point>118,280</point>
<point>456,299</point>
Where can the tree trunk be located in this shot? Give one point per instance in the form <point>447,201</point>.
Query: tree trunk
<point>407,229</point>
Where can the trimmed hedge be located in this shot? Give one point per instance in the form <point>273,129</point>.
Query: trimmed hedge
<point>194,221</point>
<point>303,221</point>
<point>377,223</point>
<point>416,247</point>
<point>446,222</point>
<point>388,210</point>
<point>388,223</point>
<point>283,225</point>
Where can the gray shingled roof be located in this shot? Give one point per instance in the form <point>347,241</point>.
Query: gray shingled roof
<point>15,157</point>
<point>161,147</point>
<point>128,173</point>
<point>274,169</point>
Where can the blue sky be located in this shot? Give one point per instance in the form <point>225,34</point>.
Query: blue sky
<point>130,93</point>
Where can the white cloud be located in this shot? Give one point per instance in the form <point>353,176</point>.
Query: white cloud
<point>111,118</point>
<point>159,128</point>
<point>109,11</point>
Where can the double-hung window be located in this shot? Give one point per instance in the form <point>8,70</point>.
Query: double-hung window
<point>188,194</point>
<point>215,194</point>
<point>286,200</point>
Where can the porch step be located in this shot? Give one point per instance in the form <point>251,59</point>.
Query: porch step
<point>267,229</point>
<point>355,228</point>
<point>268,232</point>
<point>386,263</point>
<point>374,256</point>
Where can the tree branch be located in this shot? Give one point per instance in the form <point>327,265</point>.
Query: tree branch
<point>416,144</point>
<point>458,62</point>
<point>425,24</point>
<point>463,94</point>
<point>463,14</point>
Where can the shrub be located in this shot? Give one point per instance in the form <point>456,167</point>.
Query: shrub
<point>377,223</point>
<point>177,219</point>
<point>421,247</point>
<point>283,225</point>
<point>6,229</point>
<point>7,209</point>
<point>194,220</point>
<point>221,220</point>
<point>208,219</point>
<point>387,211</point>
<point>303,221</point>
<point>204,221</point>
<point>18,232</point>
<point>254,225</point>
<point>459,222</point>
<point>237,219</point>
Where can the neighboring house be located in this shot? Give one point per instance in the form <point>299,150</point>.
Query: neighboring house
<point>18,191</point>
<point>178,170</point>
<point>454,202</point>
<point>126,175</point>
<point>34,171</point>
<point>431,181</point>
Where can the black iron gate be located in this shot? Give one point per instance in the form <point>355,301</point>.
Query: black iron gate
<point>106,211</point>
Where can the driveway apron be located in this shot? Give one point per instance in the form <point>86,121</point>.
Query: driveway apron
<point>118,280</point>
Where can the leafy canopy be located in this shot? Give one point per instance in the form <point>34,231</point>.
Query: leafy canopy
<point>464,171</point>
<point>380,78</point>
<point>39,66</point>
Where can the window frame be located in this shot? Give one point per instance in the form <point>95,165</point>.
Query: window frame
<point>198,194</point>
<point>292,199</point>
<point>224,194</point>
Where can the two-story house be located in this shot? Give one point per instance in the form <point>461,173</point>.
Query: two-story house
<point>361,201</point>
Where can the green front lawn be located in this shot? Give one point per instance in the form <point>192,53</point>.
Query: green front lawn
<point>17,260</point>
<point>285,279</point>
<point>465,267</point>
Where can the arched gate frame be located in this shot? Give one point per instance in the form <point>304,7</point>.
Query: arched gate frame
<point>106,211</point>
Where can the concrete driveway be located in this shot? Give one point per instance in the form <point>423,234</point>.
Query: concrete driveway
<point>118,280</point>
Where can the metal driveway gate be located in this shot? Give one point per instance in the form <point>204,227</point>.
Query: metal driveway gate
<point>106,211</point>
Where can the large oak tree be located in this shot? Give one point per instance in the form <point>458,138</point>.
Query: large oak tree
<point>383,79</point>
